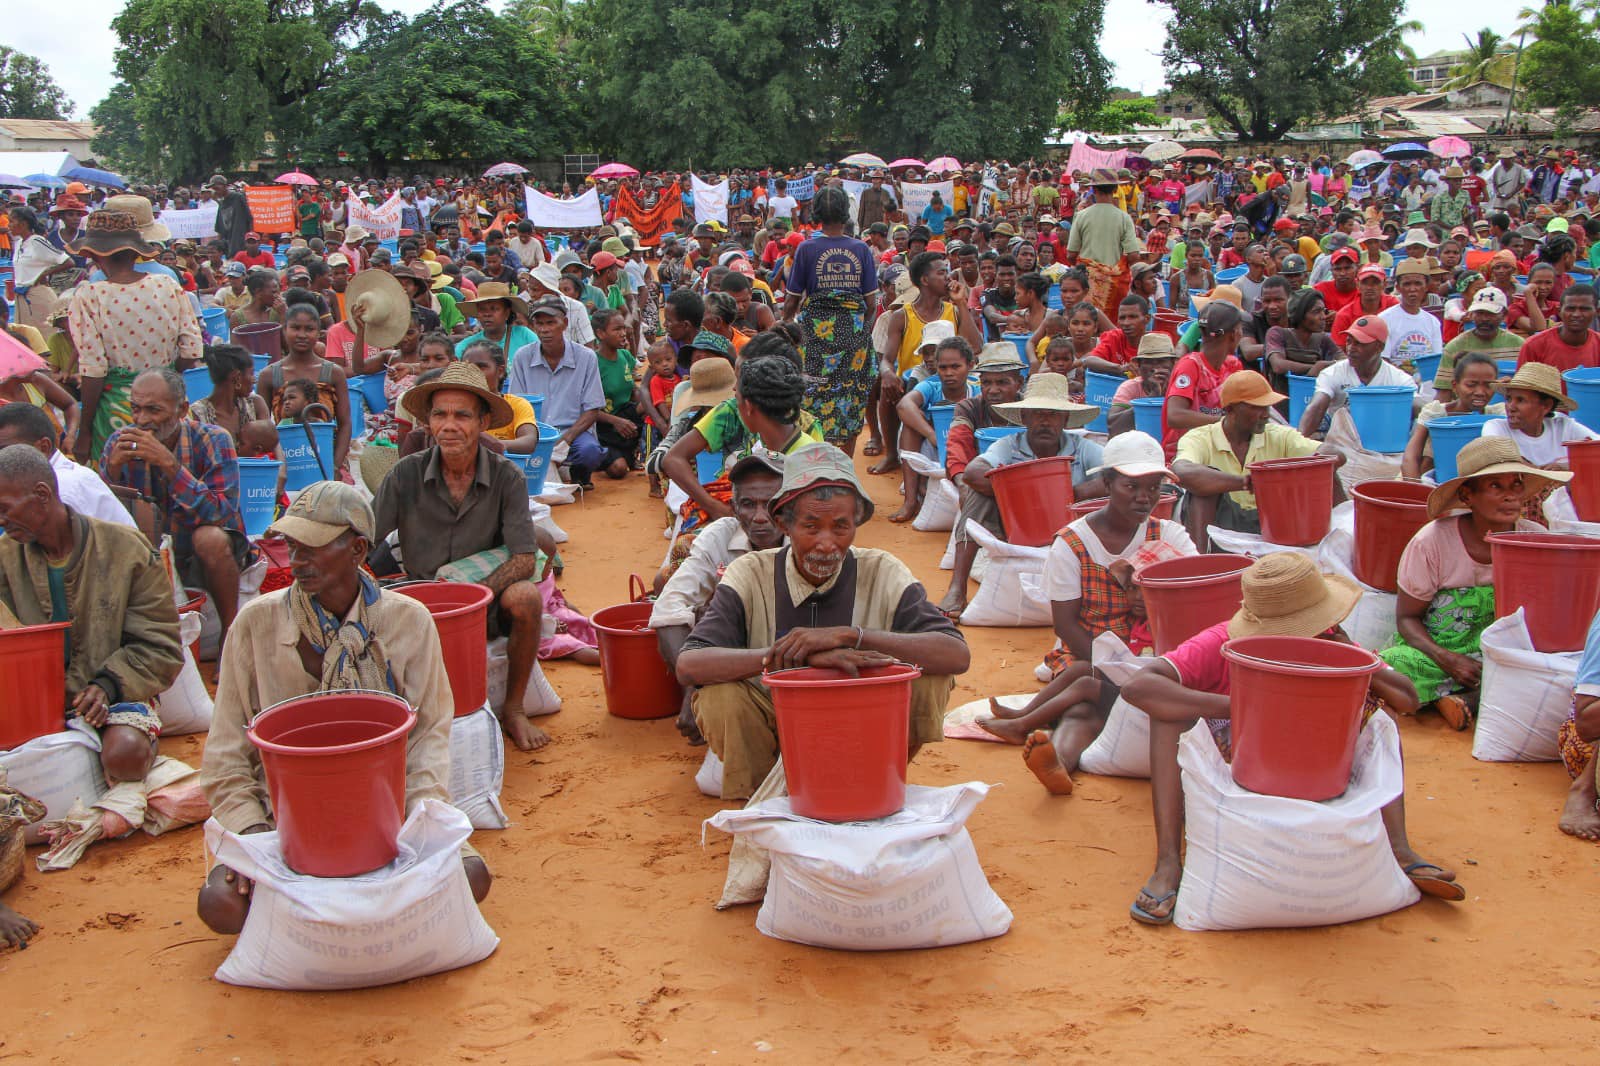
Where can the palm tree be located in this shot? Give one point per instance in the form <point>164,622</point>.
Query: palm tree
<point>1530,15</point>
<point>1481,55</point>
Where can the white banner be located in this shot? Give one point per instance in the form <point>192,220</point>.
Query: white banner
<point>710,201</point>
<point>383,221</point>
<point>547,212</point>
<point>192,224</point>
<point>919,196</point>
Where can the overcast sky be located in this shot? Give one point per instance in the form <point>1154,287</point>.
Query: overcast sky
<point>76,42</point>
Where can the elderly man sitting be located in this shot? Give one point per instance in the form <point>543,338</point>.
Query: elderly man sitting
<point>184,477</point>
<point>57,565</point>
<point>333,629</point>
<point>457,499</point>
<point>755,480</point>
<point>820,602</point>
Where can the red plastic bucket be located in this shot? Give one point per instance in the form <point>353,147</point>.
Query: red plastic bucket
<point>461,615</point>
<point>1035,499</point>
<point>1583,459</point>
<point>336,774</point>
<point>1388,515</point>
<point>33,662</point>
<point>844,739</point>
<point>1164,508</point>
<point>262,338</point>
<point>639,683</point>
<point>1294,498</point>
<point>1296,706</point>
<point>1184,596</point>
<point>1555,578</point>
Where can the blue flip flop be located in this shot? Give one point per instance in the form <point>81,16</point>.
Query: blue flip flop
<point>1141,915</point>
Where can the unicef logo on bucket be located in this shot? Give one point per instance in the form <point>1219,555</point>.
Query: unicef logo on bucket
<point>258,490</point>
<point>307,464</point>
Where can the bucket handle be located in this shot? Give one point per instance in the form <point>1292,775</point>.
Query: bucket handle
<point>637,592</point>
<point>311,438</point>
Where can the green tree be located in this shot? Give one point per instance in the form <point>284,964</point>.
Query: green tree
<point>1481,60</point>
<point>1561,68</point>
<point>1263,66</point>
<point>207,83</point>
<point>26,88</point>
<point>458,82</point>
<point>1118,116</point>
<point>118,140</point>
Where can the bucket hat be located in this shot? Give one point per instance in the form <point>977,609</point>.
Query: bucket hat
<point>712,342</point>
<point>996,357</point>
<point>813,466</point>
<point>143,215</point>
<point>1049,392</point>
<point>1156,346</point>
<point>937,332</point>
<point>1285,595</point>
<point>1544,379</point>
<point>1482,458</point>
<point>109,232</point>
<point>462,377</point>
<point>355,235</point>
<point>488,292</point>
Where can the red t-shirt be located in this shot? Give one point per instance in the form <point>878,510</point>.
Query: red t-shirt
<point>262,258</point>
<point>1196,381</point>
<point>1350,313</point>
<point>1229,258</point>
<point>661,386</point>
<point>1335,299</point>
<point>1548,347</point>
<point>1475,187</point>
<point>1113,347</point>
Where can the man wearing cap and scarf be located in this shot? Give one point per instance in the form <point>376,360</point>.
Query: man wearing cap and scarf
<point>456,501</point>
<point>1284,595</point>
<point>234,219</point>
<point>332,630</point>
<point>820,602</point>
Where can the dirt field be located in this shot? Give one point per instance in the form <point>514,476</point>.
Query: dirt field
<point>611,950</point>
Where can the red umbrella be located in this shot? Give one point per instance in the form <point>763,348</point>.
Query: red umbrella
<point>15,359</point>
<point>295,177</point>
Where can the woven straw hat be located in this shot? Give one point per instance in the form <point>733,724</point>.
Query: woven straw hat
<point>1285,595</point>
<point>1482,458</point>
<point>1544,379</point>
<point>1049,392</point>
<point>460,377</point>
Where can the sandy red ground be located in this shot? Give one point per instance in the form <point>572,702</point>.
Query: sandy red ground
<point>611,949</point>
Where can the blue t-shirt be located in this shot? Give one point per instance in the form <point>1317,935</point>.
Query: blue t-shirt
<point>1085,454</point>
<point>932,391</point>
<point>838,265</point>
<point>935,218</point>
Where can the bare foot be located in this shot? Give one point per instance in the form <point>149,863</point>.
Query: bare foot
<point>1008,730</point>
<point>874,447</point>
<point>1455,712</point>
<point>15,930</point>
<point>1579,817</point>
<point>954,602</point>
<point>907,512</point>
<point>1000,710</point>
<point>1040,755</point>
<point>688,726</point>
<point>523,733</point>
<point>887,465</point>
<point>657,492</point>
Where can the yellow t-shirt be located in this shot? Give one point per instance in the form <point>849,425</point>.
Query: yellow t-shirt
<point>1208,446</point>
<point>521,415</point>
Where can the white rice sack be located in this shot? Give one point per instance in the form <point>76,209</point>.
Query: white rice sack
<point>1360,465</point>
<point>1562,516</point>
<point>58,769</point>
<point>708,779</point>
<point>1123,747</point>
<point>478,768</point>
<point>940,507</point>
<point>186,706</point>
<point>211,626</point>
<point>413,917</point>
<point>1267,862</point>
<point>1011,592</point>
<point>911,880</point>
<point>539,697</point>
<point>1525,696</point>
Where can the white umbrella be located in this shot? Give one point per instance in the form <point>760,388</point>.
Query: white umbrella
<point>1161,151</point>
<point>1364,158</point>
<point>864,159</point>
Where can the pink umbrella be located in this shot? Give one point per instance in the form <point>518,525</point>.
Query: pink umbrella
<point>944,164</point>
<point>16,360</point>
<point>295,177</point>
<point>906,162</point>
<point>505,170</point>
<point>1449,147</point>
<point>614,170</point>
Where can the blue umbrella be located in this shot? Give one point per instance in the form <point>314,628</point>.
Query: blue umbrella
<point>1406,150</point>
<point>45,181</point>
<point>91,176</point>
<point>11,181</point>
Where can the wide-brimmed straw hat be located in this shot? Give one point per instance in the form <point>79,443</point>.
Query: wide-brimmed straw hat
<point>1285,595</point>
<point>488,292</point>
<point>1227,293</point>
<point>387,307</point>
<point>1543,379</point>
<point>1485,457</point>
<point>461,377</point>
<point>109,232</point>
<point>1049,392</point>
<point>710,382</point>
<point>355,235</point>
<point>143,215</point>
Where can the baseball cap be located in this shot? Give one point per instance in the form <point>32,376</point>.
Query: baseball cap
<point>1489,298</point>
<point>1293,263</point>
<point>252,236</point>
<point>548,305</point>
<point>1372,270</point>
<point>758,460</point>
<point>1557,225</point>
<point>1135,454</point>
<point>1368,329</point>
<point>234,269</point>
<point>1219,317</point>
<point>603,261</point>
<point>1247,386</point>
<point>1346,254</point>
<point>323,513</point>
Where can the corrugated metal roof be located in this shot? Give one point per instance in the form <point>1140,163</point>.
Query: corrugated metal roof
<point>47,129</point>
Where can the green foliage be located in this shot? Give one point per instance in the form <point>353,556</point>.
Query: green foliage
<point>1262,66</point>
<point>1120,116</point>
<point>1561,68</point>
<point>26,88</point>
<point>458,81</point>
<point>118,141</point>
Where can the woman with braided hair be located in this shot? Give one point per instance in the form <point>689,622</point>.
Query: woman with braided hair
<point>832,285</point>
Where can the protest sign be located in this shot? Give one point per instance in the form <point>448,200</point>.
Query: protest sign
<point>272,208</point>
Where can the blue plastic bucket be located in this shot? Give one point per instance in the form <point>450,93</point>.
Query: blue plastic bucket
<point>197,383</point>
<point>1147,414</point>
<point>1228,275</point>
<point>302,467</point>
<point>1583,387</point>
<point>258,493</point>
<point>371,388</point>
<point>940,415</point>
<point>1449,434</point>
<point>536,464</point>
<point>1428,367</point>
<point>1507,367</point>
<point>707,466</point>
<point>261,362</point>
<point>987,437</point>
<point>1382,414</point>
<point>1052,299</point>
<point>1098,389</point>
<point>1301,388</point>
<point>215,320</point>
<point>537,403</point>
<point>1020,342</point>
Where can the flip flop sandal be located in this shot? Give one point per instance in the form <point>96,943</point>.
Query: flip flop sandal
<point>1455,712</point>
<point>872,447</point>
<point>1141,915</point>
<point>1437,887</point>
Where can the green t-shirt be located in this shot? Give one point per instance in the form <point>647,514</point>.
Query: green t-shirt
<point>1177,255</point>
<point>1504,345</point>
<point>617,379</point>
<point>725,431</point>
<point>310,213</point>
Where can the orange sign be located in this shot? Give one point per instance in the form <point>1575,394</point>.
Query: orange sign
<point>272,208</point>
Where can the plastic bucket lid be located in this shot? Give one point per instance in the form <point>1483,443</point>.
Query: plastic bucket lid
<point>1583,459</point>
<point>258,494</point>
<point>301,459</point>
<point>1388,514</point>
<point>1382,414</point>
<point>1185,596</point>
<point>335,764</point>
<point>844,739</point>
<point>1583,385</point>
<point>33,661</point>
<point>1294,498</point>
<point>1448,435</point>
<point>1147,414</point>
<point>1035,499</point>
<point>536,464</point>
<point>1554,578</point>
<point>1296,713</point>
<point>639,683</point>
<point>461,615</point>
